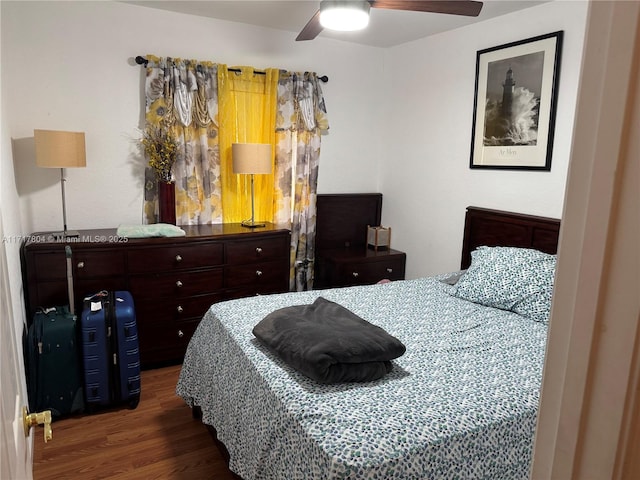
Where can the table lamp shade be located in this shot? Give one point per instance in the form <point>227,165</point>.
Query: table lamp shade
<point>251,158</point>
<point>56,149</point>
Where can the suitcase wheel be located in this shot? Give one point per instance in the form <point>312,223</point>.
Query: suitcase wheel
<point>133,402</point>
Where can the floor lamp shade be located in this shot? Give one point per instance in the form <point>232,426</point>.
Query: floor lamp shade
<point>251,159</point>
<point>56,149</point>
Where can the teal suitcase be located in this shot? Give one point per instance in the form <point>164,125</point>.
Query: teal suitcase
<point>54,377</point>
<point>52,357</point>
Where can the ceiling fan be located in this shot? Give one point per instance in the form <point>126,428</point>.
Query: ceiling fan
<point>358,11</point>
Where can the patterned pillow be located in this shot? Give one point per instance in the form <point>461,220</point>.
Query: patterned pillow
<point>509,278</point>
<point>452,278</point>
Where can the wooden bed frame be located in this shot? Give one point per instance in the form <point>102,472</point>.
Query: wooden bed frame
<point>483,226</point>
<point>492,228</point>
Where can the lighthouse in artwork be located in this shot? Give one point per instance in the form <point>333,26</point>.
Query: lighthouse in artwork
<point>512,111</point>
<point>508,88</point>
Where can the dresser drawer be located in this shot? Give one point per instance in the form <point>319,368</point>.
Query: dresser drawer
<point>259,289</point>
<point>166,342</point>
<point>257,250</point>
<point>162,259</point>
<point>47,294</point>
<point>88,287</point>
<point>166,326</point>
<point>49,265</point>
<point>149,310</point>
<point>176,284</point>
<point>256,274</point>
<point>93,264</point>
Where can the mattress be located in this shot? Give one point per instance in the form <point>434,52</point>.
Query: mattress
<point>460,403</point>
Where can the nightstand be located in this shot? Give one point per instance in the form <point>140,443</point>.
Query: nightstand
<point>342,257</point>
<point>358,266</point>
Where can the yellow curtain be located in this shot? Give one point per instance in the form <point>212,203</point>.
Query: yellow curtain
<point>247,112</point>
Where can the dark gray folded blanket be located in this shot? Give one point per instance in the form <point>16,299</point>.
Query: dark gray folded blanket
<point>329,343</point>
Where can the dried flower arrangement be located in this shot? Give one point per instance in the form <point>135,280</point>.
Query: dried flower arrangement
<point>161,149</point>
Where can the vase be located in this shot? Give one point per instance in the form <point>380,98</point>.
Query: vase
<point>167,202</point>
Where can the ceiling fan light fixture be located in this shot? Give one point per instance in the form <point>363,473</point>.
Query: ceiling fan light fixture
<point>345,15</point>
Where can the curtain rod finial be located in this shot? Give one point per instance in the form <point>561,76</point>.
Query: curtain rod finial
<point>141,60</point>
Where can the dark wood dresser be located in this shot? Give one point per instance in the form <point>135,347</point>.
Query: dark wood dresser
<point>342,256</point>
<point>173,280</point>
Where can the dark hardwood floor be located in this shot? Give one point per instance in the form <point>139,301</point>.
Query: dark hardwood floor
<point>157,440</point>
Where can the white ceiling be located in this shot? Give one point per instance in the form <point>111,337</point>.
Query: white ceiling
<point>386,27</point>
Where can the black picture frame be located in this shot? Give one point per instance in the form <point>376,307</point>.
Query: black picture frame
<point>515,104</point>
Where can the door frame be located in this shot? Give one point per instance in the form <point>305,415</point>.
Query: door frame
<point>16,449</point>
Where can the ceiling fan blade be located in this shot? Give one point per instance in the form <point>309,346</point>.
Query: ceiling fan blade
<point>467,8</point>
<point>311,29</point>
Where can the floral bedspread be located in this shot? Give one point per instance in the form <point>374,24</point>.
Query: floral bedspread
<point>461,402</point>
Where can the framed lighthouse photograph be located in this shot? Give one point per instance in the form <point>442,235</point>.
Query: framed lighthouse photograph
<point>515,104</point>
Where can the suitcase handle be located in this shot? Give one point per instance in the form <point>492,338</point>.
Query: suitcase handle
<point>72,306</point>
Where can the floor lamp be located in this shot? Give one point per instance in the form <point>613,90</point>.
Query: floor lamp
<point>251,159</point>
<point>55,149</point>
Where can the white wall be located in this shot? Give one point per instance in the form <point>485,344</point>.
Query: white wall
<point>400,117</point>
<point>425,177</point>
<point>19,450</point>
<point>10,213</point>
<point>69,67</point>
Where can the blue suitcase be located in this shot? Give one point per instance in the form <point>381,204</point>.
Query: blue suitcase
<point>110,351</point>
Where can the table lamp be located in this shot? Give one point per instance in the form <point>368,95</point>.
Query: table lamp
<point>56,149</point>
<point>251,159</point>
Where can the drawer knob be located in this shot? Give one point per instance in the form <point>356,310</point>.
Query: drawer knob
<point>390,270</point>
<point>180,309</point>
<point>258,250</point>
<point>180,333</point>
<point>178,258</point>
<point>80,264</point>
<point>355,274</point>
<point>258,273</point>
<point>178,284</point>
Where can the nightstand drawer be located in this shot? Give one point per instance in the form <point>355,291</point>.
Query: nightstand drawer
<point>258,250</point>
<point>162,259</point>
<point>344,267</point>
<point>176,284</point>
<point>372,272</point>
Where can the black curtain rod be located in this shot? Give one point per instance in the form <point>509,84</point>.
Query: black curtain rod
<point>143,61</point>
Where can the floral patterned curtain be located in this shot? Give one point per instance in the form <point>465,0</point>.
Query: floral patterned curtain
<point>182,97</point>
<point>300,120</point>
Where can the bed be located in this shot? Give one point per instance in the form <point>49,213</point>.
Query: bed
<point>460,403</point>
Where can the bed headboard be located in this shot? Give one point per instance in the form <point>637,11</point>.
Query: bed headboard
<point>484,226</point>
<point>342,219</point>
